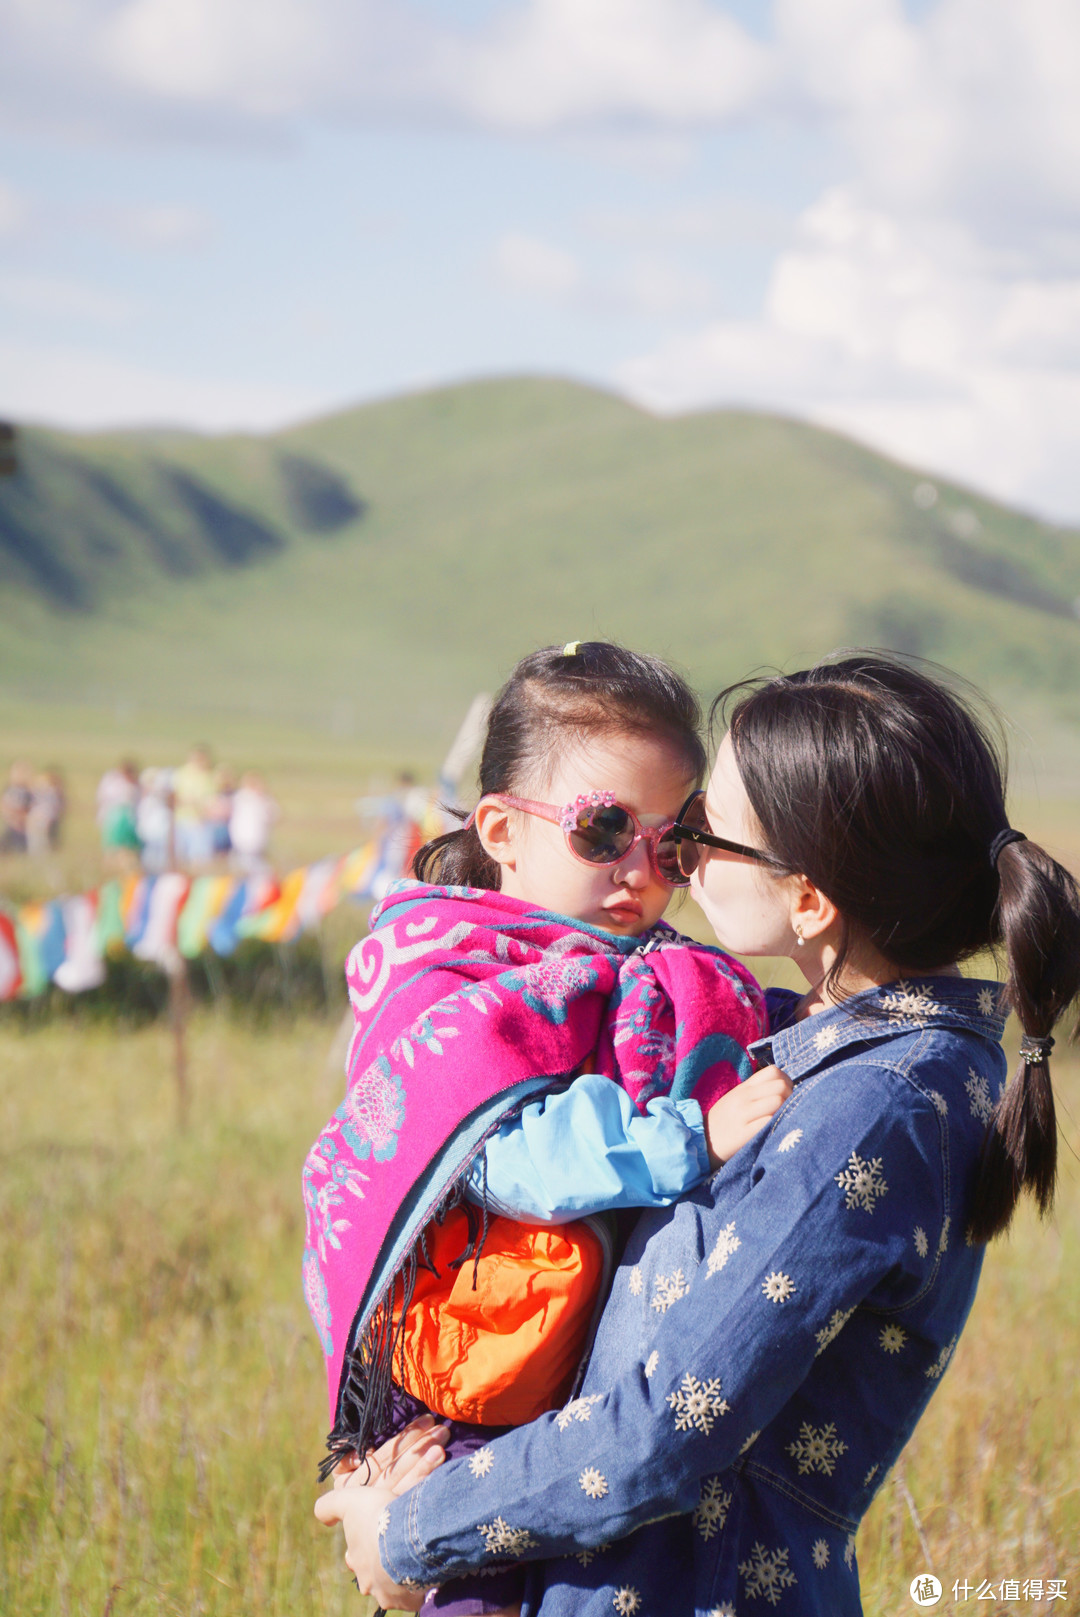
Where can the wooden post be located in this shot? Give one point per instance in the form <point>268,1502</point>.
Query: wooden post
<point>179,1006</point>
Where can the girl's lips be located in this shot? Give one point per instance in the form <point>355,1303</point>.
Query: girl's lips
<point>625,908</point>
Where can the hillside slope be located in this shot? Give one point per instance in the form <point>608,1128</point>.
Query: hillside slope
<point>367,572</point>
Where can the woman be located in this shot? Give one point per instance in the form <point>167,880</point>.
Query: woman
<point>772,1340</point>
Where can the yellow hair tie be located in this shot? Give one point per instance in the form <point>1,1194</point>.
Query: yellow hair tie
<point>571,648</point>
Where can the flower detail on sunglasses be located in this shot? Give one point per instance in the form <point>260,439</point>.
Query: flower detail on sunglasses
<point>569,817</point>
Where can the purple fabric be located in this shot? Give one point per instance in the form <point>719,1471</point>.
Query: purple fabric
<point>483,1593</point>
<point>461,994</point>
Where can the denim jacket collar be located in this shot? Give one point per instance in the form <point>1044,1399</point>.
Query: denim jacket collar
<point>970,1004</point>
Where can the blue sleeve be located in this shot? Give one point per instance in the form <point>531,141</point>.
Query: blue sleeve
<point>588,1149</point>
<point>726,1356</point>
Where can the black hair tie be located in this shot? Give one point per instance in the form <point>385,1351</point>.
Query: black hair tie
<point>1002,840</point>
<point>1035,1051</point>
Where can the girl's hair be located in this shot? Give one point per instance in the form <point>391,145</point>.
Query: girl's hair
<point>554,697</point>
<point>881,785</point>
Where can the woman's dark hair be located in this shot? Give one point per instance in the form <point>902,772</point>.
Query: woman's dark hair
<point>881,785</point>
<point>554,697</point>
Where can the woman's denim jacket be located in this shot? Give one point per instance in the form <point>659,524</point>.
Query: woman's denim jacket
<point>768,1347</point>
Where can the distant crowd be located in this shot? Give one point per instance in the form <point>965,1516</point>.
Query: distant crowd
<point>32,808</point>
<point>197,816</point>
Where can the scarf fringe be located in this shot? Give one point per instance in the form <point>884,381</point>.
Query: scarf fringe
<point>368,1377</point>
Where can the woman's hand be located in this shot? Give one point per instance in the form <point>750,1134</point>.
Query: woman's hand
<point>362,1492</point>
<point>737,1116</point>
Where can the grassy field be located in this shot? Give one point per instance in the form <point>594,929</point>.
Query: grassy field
<point>162,1387</point>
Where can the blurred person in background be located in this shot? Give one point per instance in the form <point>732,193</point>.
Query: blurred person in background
<point>154,820</point>
<point>45,816</point>
<point>117,805</point>
<point>254,813</point>
<point>403,819</point>
<point>194,786</point>
<point>15,802</point>
<point>219,813</point>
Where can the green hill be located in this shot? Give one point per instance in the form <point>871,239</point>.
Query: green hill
<point>368,572</point>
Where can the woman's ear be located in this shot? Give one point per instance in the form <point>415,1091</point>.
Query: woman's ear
<point>812,913</point>
<point>496,832</point>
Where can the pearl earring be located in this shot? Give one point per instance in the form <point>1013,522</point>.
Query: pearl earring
<point>800,940</point>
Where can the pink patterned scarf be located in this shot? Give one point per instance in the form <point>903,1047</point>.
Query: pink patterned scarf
<point>467,1003</point>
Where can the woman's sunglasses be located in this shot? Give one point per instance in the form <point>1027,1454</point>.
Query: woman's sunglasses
<point>691,833</point>
<point>600,831</point>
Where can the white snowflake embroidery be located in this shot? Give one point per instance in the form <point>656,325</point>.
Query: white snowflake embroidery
<point>987,1002</point>
<point>982,1107</point>
<point>940,1102</point>
<point>697,1404</point>
<point>650,1364</point>
<point>827,1037</point>
<point>711,1513</point>
<point>849,1550</point>
<point>585,1556</point>
<point>817,1450</point>
<point>667,1289</point>
<point>725,1244</point>
<point>892,1338</point>
<point>593,1483</point>
<point>910,1003</point>
<point>384,1521</point>
<point>577,1409</point>
<point>502,1539</point>
<point>482,1461</point>
<point>937,1369</point>
<point>943,1239</point>
<point>636,1283</point>
<point>820,1553</point>
<point>869,1477</point>
<point>790,1140</point>
<point>750,1441</point>
<point>627,1601</point>
<point>767,1573</point>
<point>778,1287</point>
<point>861,1182</point>
<point>837,1320</point>
<point>922,1245</point>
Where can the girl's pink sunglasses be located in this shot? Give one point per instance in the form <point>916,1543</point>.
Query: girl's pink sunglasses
<point>600,831</point>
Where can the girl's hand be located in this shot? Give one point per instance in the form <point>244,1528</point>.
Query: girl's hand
<point>737,1116</point>
<point>399,1463</point>
<point>358,1504</point>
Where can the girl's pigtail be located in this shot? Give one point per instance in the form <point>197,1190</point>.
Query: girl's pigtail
<point>456,859</point>
<point>1039,915</point>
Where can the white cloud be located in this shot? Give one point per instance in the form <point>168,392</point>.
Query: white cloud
<point>533,67</point>
<point>717,221</point>
<point>54,297</point>
<point>899,336</point>
<point>164,227</point>
<point>570,63</point>
<point>537,268</point>
<point>973,111</point>
<point>647,284</point>
<point>84,388</point>
<point>13,210</point>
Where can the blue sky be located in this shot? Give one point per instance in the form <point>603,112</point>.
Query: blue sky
<point>239,212</point>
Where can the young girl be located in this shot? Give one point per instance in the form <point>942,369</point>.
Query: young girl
<point>538,961</point>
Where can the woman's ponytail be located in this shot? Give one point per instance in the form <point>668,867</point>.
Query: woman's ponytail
<point>1039,920</point>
